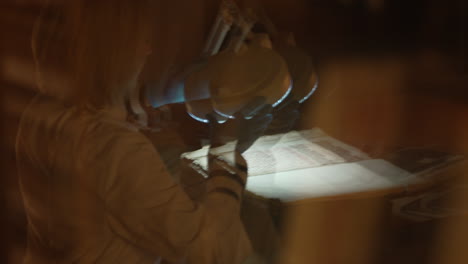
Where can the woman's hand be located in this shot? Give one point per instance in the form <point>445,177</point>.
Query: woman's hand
<point>285,117</point>
<point>248,125</point>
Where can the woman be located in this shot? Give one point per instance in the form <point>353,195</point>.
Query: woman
<point>94,188</point>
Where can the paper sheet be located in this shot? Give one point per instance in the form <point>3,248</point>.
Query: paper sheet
<point>309,164</point>
<point>291,151</point>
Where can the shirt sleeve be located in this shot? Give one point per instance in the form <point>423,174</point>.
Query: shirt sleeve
<point>150,210</point>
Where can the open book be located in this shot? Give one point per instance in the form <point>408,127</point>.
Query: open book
<point>309,164</point>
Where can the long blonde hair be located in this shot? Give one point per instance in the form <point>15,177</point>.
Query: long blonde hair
<point>86,51</point>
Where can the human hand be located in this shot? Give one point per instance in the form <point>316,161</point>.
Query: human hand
<point>248,125</point>
<point>285,116</point>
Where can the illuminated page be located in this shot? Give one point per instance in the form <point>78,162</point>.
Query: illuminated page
<point>290,151</point>
<point>298,150</point>
<point>310,164</point>
<point>331,180</point>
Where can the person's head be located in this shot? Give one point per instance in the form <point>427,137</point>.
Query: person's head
<point>97,49</point>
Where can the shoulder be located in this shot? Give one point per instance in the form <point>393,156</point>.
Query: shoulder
<point>114,138</point>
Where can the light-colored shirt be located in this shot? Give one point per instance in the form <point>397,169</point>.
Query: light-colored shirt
<point>96,191</point>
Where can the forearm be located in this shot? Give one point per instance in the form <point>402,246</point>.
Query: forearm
<point>222,235</point>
